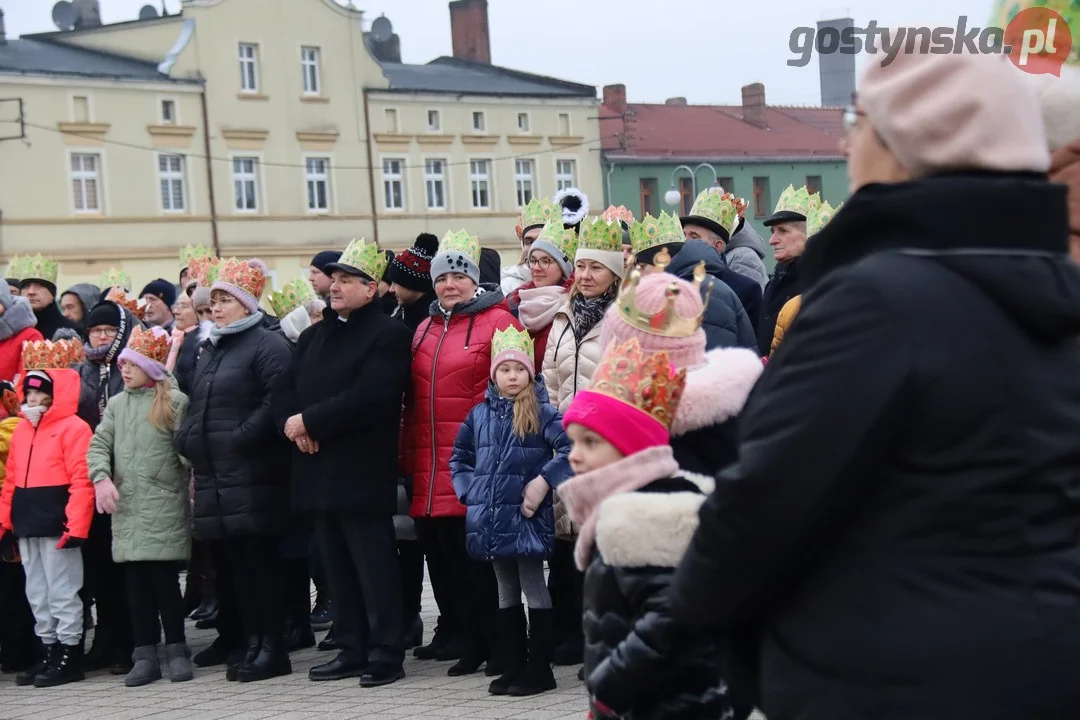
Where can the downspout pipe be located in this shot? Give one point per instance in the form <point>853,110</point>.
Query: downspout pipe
<point>210,173</point>
<point>371,172</point>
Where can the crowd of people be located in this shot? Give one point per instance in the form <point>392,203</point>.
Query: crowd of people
<point>848,489</point>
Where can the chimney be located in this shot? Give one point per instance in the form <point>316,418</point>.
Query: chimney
<point>469,31</point>
<point>681,101</point>
<point>3,30</point>
<point>753,104</point>
<point>615,97</point>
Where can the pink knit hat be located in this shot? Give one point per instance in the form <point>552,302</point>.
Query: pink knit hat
<point>512,344</point>
<point>941,112</point>
<point>684,352</point>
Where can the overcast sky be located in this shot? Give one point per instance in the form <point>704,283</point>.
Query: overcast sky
<point>705,50</point>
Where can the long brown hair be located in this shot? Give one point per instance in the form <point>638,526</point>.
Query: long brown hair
<point>526,412</point>
<point>162,413</point>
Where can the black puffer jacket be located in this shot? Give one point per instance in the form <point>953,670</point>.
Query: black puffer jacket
<point>727,322</point>
<point>783,285</point>
<point>92,373</point>
<point>240,460</point>
<point>188,358</point>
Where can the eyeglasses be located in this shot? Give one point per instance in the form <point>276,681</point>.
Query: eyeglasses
<point>851,115</point>
<point>104,332</point>
<point>542,262</point>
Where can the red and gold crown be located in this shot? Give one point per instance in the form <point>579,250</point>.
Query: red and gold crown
<point>242,274</point>
<point>50,355</point>
<point>154,345</point>
<point>137,306</point>
<point>202,270</point>
<point>645,382</point>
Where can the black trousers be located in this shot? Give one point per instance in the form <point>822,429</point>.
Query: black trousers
<point>258,583</point>
<point>470,591</point>
<point>360,558</point>
<point>411,564</point>
<point>17,639</point>
<point>566,584</point>
<point>104,584</point>
<point>154,592</point>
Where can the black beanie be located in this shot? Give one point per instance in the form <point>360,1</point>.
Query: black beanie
<point>38,380</point>
<point>44,283</point>
<point>412,268</point>
<point>648,257</point>
<point>161,288</point>
<point>104,313</point>
<point>326,257</point>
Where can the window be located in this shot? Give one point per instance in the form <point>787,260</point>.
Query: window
<point>393,184</point>
<point>171,179</point>
<point>168,112</point>
<point>391,120</point>
<point>435,183</point>
<point>246,183</point>
<point>686,194</point>
<point>762,206</point>
<point>80,109</point>
<point>249,68</point>
<point>647,190</point>
<point>564,124</point>
<point>309,63</point>
<point>85,181</point>
<point>523,122</point>
<point>480,180</point>
<point>813,184</point>
<point>479,121</point>
<point>564,174</point>
<point>317,175</point>
<point>727,183</point>
<point>523,178</point>
<point>434,122</point>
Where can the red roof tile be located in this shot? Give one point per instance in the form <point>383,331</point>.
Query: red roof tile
<point>718,131</point>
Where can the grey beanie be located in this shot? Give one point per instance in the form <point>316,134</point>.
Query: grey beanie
<point>454,261</point>
<point>545,246</point>
<point>200,297</point>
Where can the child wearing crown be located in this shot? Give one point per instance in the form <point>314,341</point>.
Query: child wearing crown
<point>140,480</point>
<point>48,503</point>
<point>637,512</point>
<point>509,453</point>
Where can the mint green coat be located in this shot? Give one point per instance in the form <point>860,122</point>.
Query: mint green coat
<point>152,518</point>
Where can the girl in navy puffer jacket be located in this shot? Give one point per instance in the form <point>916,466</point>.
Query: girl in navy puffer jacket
<point>510,451</point>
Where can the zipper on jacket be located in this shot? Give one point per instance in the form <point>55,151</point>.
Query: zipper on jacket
<point>434,443</point>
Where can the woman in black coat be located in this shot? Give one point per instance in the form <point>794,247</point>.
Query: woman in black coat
<point>241,463</point>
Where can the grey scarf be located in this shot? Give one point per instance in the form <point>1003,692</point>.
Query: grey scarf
<point>235,328</point>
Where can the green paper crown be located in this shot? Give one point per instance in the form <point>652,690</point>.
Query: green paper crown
<point>564,240</point>
<point>653,231</point>
<point>1005,10</point>
<point>365,257</point>
<point>820,217</point>
<point>538,212</point>
<point>798,201</point>
<point>462,242</point>
<point>511,339</point>
<point>292,296</point>
<point>599,234</point>
<point>34,267</point>
<point>720,207</point>
<point>192,252</point>
<point>115,278</point>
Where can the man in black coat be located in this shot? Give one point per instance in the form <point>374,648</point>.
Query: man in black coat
<point>341,406</point>
<point>788,241</point>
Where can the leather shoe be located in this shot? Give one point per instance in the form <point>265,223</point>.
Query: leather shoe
<point>328,642</point>
<point>300,638</point>
<point>337,669</point>
<point>380,673</point>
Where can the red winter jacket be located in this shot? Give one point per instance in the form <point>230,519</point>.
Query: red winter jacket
<point>11,352</point>
<point>451,367</point>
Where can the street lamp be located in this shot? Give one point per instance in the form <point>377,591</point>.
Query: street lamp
<point>673,196</point>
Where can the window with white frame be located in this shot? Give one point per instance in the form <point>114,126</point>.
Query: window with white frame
<point>249,68</point>
<point>523,122</point>
<point>246,183</point>
<point>480,179</point>
<point>523,179</point>
<point>317,175</point>
<point>434,122</point>
<point>479,121</point>
<point>309,63</point>
<point>168,112</point>
<point>171,179</point>
<point>394,183</point>
<point>435,183</point>
<point>564,174</point>
<point>85,182</point>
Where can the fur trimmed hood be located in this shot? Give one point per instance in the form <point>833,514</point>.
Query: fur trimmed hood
<point>18,315</point>
<point>717,391</point>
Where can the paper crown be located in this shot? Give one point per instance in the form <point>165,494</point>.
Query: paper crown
<point>202,270</point>
<point>538,212</point>
<point>642,381</point>
<point>50,355</point>
<point>137,306</point>
<point>820,217</point>
<point>240,274</point>
<point>291,296</point>
<point>36,267</point>
<point>666,322</point>
<point>564,240</point>
<point>511,340</point>
<point>154,345</point>
<point>720,207</point>
<point>115,278</point>
<point>365,257</point>
<point>461,242</point>
<point>618,214</point>
<point>798,201</point>
<point>653,231</point>
<point>1004,11</point>
<point>599,234</point>
<point>193,252</point>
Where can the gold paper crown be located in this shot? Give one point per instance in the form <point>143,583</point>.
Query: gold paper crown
<point>36,267</point>
<point>149,344</point>
<point>599,234</point>
<point>115,278</point>
<point>538,212</point>
<point>820,217</point>
<point>618,214</point>
<point>461,242</point>
<point>240,274</point>
<point>365,257</point>
<point>653,231</point>
<point>667,322</point>
<point>511,339</point>
<point>137,306</point>
<point>292,296</point>
<point>564,240</point>
<point>193,252</point>
<point>798,201</point>
<point>642,381</point>
<point>720,207</point>
<point>50,355</point>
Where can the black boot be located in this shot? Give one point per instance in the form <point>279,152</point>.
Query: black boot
<point>537,677</point>
<point>207,607</point>
<point>47,655</point>
<point>514,638</point>
<point>255,643</point>
<point>322,614</point>
<point>476,652</point>
<point>67,668</point>
<point>438,644</point>
<point>272,661</point>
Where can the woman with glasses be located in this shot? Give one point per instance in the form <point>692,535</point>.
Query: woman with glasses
<point>188,334</point>
<point>536,302</point>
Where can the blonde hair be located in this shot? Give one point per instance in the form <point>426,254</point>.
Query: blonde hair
<point>162,413</point>
<point>526,412</point>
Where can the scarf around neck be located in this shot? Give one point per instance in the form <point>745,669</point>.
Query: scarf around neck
<point>589,311</point>
<point>34,413</point>
<point>539,306</point>
<point>235,328</point>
